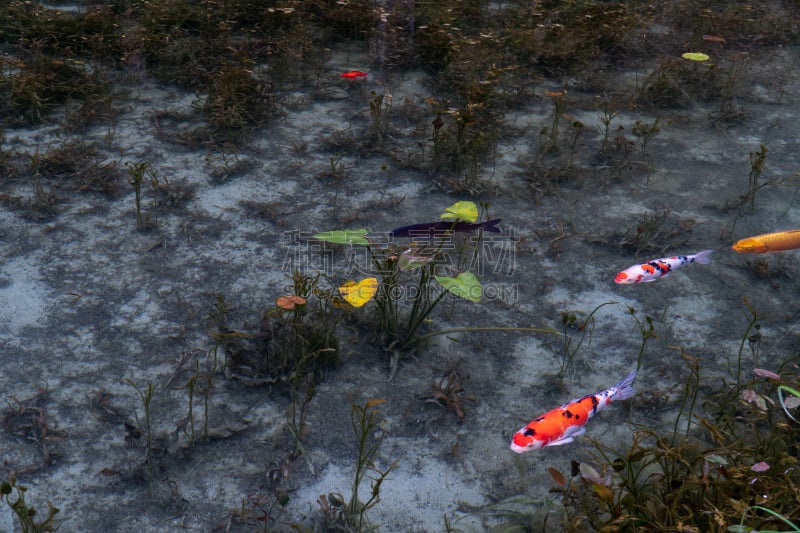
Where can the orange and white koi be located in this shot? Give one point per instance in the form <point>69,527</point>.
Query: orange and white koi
<point>658,268</point>
<point>769,242</point>
<point>563,424</point>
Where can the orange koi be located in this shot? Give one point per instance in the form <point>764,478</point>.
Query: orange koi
<point>769,242</point>
<point>658,268</point>
<point>563,424</point>
<point>353,74</point>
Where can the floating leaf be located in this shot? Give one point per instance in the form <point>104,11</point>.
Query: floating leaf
<point>590,474</point>
<point>761,466</point>
<point>716,459</point>
<point>763,373</point>
<point>466,285</point>
<point>464,210</point>
<point>695,56</point>
<point>357,294</point>
<point>605,493</point>
<point>557,476</point>
<point>790,402</point>
<point>346,236</point>
<point>290,301</point>
<point>751,396</point>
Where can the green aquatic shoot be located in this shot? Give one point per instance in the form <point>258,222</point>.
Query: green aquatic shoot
<point>741,528</point>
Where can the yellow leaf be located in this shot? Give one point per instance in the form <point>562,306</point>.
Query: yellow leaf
<point>464,210</point>
<point>374,402</point>
<point>605,493</point>
<point>357,294</point>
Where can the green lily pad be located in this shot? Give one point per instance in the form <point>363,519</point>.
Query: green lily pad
<point>466,285</point>
<point>464,210</point>
<point>345,236</point>
<point>695,56</point>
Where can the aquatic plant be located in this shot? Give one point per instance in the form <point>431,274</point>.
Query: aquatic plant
<point>13,495</point>
<point>751,337</point>
<point>236,102</point>
<point>352,513</point>
<point>296,336</point>
<point>146,397</point>
<point>43,84</point>
<point>757,160</point>
<point>645,132</point>
<point>647,331</point>
<point>655,232</point>
<point>607,114</point>
<point>664,482</point>
<point>461,137</point>
<point>575,328</point>
<point>400,325</point>
<point>559,99</point>
<point>448,392</point>
<point>380,107</point>
<point>136,177</point>
<point>576,128</point>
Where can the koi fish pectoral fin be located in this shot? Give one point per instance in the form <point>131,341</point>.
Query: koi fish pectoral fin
<point>568,437</point>
<point>562,440</point>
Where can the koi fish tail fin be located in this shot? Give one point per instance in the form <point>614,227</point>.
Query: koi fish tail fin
<point>623,387</point>
<point>703,257</point>
<point>491,225</point>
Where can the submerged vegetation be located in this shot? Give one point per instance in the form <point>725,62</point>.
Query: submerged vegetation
<point>576,95</point>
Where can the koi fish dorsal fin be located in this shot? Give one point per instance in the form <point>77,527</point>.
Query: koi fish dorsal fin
<point>623,387</point>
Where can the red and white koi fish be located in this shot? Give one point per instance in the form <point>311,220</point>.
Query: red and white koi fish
<point>563,424</point>
<point>658,268</point>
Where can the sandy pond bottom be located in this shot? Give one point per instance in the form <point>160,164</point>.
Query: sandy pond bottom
<point>89,302</point>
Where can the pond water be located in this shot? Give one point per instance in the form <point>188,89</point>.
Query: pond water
<point>123,322</point>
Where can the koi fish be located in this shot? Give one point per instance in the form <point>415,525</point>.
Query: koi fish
<point>658,268</point>
<point>429,229</point>
<point>563,424</point>
<point>769,242</point>
<point>353,74</point>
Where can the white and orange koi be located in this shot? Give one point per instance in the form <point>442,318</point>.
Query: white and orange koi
<point>658,268</point>
<point>563,424</point>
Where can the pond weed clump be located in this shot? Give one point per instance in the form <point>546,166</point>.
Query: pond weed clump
<point>295,337</point>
